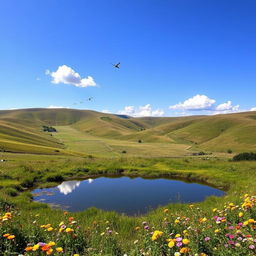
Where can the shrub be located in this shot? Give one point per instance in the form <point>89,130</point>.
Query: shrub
<point>229,151</point>
<point>55,178</point>
<point>139,141</point>
<point>124,152</point>
<point>246,156</point>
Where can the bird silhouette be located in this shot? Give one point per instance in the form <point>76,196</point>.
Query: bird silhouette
<point>90,98</point>
<point>116,65</point>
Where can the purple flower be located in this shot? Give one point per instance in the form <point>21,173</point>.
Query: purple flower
<point>252,246</point>
<point>179,244</point>
<point>231,227</point>
<point>179,239</point>
<point>207,238</point>
<point>41,244</point>
<point>146,227</point>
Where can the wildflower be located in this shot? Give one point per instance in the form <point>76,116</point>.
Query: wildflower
<point>137,228</point>
<point>185,241</point>
<point>69,230</point>
<point>184,250</point>
<point>166,210</point>
<point>49,229</point>
<point>179,244</point>
<point>171,244</point>
<point>49,252</point>
<point>176,254</point>
<point>29,248</point>
<point>11,237</point>
<point>157,234</point>
<point>216,230</point>
<point>35,247</point>
<point>51,243</point>
<point>76,254</point>
<point>59,249</point>
<point>252,247</point>
<point>240,214</point>
<point>6,235</point>
<point>207,238</point>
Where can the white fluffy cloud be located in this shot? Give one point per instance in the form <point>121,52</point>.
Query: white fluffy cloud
<point>226,107</point>
<point>198,102</point>
<point>67,75</point>
<point>53,106</point>
<point>253,109</point>
<point>106,111</point>
<point>204,103</point>
<point>141,111</point>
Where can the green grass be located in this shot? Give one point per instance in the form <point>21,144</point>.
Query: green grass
<point>89,143</point>
<point>22,170</point>
<point>107,134</point>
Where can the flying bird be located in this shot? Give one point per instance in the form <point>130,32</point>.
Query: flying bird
<point>116,65</point>
<point>89,99</point>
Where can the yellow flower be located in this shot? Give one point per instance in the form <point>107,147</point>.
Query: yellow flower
<point>178,235</point>
<point>59,249</point>
<point>217,230</point>
<point>69,230</point>
<point>157,234</point>
<point>240,214</point>
<point>35,247</point>
<point>177,221</point>
<point>166,210</point>
<point>50,229</point>
<point>51,244</point>
<point>251,221</point>
<point>171,244</point>
<point>214,210</point>
<point>61,223</point>
<point>185,241</point>
<point>11,237</point>
<point>6,235</point>
<point>137,228</point>
<point>76,254</point>
<point>49,252</point>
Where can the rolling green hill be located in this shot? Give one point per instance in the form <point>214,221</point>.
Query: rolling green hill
<point>91,132</point>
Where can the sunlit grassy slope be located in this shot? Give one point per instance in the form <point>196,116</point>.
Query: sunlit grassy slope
<point>103,134</point>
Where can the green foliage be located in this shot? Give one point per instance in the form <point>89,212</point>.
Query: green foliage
<point>245,157</point>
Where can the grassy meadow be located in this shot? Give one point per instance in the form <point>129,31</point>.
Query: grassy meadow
<point>89,144</point>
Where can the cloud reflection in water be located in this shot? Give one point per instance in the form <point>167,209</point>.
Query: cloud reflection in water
<point>67,187</point>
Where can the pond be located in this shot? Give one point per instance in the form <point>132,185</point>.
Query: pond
<point>132,196</point>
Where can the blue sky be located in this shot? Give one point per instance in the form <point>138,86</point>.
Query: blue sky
<point>177,57</point>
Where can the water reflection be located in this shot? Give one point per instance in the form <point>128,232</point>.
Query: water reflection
<point>132,196</point>
<point>67,187</point>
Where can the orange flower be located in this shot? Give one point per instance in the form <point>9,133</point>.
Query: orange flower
<point>29,248</point>
<point>6,235</point>
<point>184,250</point>
<point>11,237</point>
<point>46,247</point>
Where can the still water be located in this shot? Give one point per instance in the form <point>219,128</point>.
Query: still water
<point>131,196</point>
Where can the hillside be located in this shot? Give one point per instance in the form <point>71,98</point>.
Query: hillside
<point>92,132</point>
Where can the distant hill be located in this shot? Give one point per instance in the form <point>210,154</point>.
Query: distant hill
<point>22,130</point>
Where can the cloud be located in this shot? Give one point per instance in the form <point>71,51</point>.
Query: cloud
<point>226,107</point>
<point>141,111</point>
<point>197,102</point>
<point>106,111</point>
<point>67,75</point>
<point>67,187</point>
<point>253,109</point>
<point>53,106</point>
